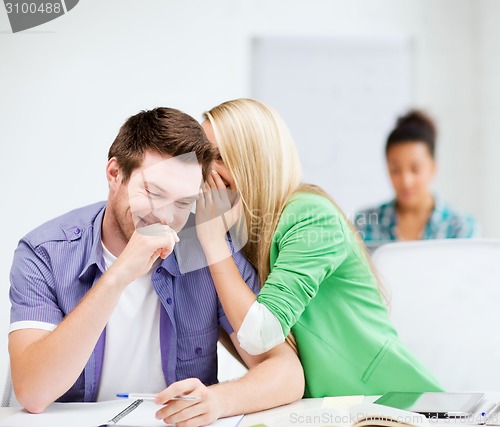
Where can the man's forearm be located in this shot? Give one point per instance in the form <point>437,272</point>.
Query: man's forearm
<point>45,369</point>
<point>277,380</point>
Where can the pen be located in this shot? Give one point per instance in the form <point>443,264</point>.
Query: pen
<point>491,412</point>
<point>151,396</point>
<point>487,410</point>
<point>126,411</point>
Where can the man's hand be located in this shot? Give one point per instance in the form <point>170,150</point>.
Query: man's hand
<point>142,250</point>
<point>46,364</point>
<point>188,413</point>
<point>274,378</point>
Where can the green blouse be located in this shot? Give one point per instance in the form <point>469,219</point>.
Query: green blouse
<point>321,287</point>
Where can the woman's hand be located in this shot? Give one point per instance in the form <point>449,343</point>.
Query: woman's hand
<point>188,413</point>
<point>217,211</point>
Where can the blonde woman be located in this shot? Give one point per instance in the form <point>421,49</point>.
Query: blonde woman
<point>317,280</point>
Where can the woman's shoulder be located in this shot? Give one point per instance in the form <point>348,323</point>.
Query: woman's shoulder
<point>304,198</point>
<point>448,211</point>
<point>309,205</point>
<point>308,208</point>
<point>455,222</point>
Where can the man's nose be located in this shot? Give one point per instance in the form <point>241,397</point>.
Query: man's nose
<point>165,213</point>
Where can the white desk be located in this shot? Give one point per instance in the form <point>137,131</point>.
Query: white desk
<point>6,412</point>
<point>267,417</point>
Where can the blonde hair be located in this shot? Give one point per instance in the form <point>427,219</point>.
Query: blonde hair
<point>257,148</point>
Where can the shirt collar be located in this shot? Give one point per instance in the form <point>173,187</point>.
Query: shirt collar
<point>96,258</point>
<point>435,218</point>
<point>171,265</point>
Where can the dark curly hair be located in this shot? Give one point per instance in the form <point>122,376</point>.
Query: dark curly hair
<point>415,126</point>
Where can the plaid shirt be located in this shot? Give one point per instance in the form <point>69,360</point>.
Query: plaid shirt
<point>379,224</point>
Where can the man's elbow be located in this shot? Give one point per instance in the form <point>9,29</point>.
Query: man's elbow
<point>292,389</point>
<point>35,407</point>
<point>292,377</point>
<point>297,383</point>
<point>33,402</point>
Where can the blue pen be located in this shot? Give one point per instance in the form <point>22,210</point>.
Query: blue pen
<point>151,396</point>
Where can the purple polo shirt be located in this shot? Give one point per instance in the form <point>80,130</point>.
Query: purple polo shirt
<point>56,264</point>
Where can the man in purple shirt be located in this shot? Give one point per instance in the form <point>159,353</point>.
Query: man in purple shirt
<point>99,303</point>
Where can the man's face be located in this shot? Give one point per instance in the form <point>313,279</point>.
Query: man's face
<point>162,190</point>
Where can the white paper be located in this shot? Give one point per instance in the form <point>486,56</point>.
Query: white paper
<point>97,414</point>
<point>143,416</point>
<point>86,415</point>
<point>227,422</point>
<point>342,402</point>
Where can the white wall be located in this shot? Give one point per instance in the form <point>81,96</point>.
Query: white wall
<point>338,94</point>
<point>488,148</point>
<point>67,86</point>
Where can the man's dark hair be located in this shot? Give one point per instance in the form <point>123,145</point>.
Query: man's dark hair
<point>166,131</point>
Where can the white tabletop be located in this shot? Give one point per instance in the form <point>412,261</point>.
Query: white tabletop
<point>267,417</point>
<point>6,412</point>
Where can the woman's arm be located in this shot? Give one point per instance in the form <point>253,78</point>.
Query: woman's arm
<point>235,295</point>
<point>312,244</point>
<point>258,330</point>
<point>214,217</point>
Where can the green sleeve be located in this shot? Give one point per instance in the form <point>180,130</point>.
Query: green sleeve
<point>308,246</point>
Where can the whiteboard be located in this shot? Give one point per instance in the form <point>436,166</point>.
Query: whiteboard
<point>340,97</point>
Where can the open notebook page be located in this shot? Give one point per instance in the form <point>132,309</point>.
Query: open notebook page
<point>96,414</point>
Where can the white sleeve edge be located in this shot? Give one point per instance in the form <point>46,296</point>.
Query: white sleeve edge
<point>260,331</point>
<point>31,324</point>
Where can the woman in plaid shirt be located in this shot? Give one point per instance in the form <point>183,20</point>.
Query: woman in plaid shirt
<point>415,213</point>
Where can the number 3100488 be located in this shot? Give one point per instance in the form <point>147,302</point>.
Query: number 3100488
<point>33,8</point>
